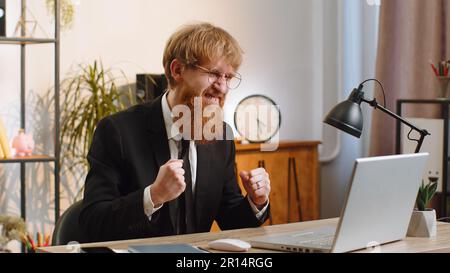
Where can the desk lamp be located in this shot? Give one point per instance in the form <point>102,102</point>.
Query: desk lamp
<point>347,115</point>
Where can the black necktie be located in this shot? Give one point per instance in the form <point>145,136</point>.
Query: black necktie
<point>186,211</point>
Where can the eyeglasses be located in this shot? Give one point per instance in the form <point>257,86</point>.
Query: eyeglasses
<point>232,81</point>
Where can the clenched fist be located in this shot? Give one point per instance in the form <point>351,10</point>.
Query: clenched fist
<point>257,184</point>
<point>169,183</point>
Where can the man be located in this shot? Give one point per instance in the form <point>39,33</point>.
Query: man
<point>150,178</point>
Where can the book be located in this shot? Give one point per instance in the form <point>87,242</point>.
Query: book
<point>4,140</point>
<point>2,155</point>
<point>165,248</point>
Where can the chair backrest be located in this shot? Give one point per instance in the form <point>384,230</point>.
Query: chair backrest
<point>67,228</point>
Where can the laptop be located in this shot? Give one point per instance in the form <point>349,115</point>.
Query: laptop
<point>377,209</point>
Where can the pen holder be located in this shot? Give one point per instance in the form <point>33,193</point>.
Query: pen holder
<point>443,87</point>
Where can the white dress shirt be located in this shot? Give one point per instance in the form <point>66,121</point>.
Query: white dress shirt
<point>174,137</point>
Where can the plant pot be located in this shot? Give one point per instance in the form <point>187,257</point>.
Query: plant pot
<point>422,223</point>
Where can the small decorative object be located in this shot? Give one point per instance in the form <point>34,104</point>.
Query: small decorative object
<point>257,118</point>
<point>11,228</point>
<point>27,26</point>
<point>442,74</point>
<point>23,143</point>
<point>423,219</point>
<point>67,8</point>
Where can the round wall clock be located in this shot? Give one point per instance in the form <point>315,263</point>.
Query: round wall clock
<point>257,118</point>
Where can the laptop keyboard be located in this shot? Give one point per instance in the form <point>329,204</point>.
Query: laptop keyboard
<point>315,239</point>
<point>322,242</point>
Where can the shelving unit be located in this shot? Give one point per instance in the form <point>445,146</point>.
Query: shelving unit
<point>444,104</point>
<point>28,159</point>
<point>23,42</point>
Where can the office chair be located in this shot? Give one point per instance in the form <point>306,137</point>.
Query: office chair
<point>67,228</point>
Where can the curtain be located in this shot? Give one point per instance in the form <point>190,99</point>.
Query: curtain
<point>412,34</point>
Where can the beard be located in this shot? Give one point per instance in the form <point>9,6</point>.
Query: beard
<point>206,119</point>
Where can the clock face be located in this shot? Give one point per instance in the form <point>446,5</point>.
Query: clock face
<point>257,118</point>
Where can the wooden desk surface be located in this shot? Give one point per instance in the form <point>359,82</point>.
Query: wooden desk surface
<point>440,243</point>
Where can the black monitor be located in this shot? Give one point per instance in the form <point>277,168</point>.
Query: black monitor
<point>2,18</point>
<point>149,86</point>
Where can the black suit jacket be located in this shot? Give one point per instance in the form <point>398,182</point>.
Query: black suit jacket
<point>126,153</point>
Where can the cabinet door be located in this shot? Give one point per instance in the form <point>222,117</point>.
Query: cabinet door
<point>276,164</point>
<point>283,209</point>
<point>247,162</point>
<point>307,166</point>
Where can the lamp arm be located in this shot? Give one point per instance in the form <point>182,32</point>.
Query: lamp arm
<point>423,133</point>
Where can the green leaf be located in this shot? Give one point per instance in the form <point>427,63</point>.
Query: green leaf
<point>434,189</point>
<point>420,204</point>
<point>88,95</point>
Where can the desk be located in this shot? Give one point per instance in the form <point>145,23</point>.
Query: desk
<point>441,243</point>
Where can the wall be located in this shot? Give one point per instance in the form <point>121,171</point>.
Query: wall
<point>352,33</point>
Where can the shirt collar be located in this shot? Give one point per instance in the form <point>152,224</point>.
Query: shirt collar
<point>173,132</point>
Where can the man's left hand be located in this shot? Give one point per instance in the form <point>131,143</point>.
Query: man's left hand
<point>257,184</point>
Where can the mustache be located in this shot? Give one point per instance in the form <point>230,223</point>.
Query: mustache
<point>213,93</point>
<point>188,99</point>
<point>204,121</point>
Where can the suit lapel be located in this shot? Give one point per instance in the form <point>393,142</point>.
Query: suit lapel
<point>157,131</point>
<point>202,180</point>
<point>160,144</point>
<point>160,148</point>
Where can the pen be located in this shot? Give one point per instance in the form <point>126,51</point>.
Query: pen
<point>39,239</point>
<point>25,242</point>
<point>47,240</point>
<point>31,242</point>
<point>434,69</point>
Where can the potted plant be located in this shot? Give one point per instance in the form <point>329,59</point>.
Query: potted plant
<point>87,96</point>
<point>67,15</point>
<point>11,228</point>
<point>423,219</point>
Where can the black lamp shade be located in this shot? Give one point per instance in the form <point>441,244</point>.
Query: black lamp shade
<point>346,116</point>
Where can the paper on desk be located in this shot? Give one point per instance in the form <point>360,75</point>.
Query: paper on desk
<point>118,250</point>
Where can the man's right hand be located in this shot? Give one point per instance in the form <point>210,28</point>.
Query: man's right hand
<point>169,183</point>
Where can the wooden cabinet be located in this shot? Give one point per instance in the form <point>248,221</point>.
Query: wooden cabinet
<point>283,199</point>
